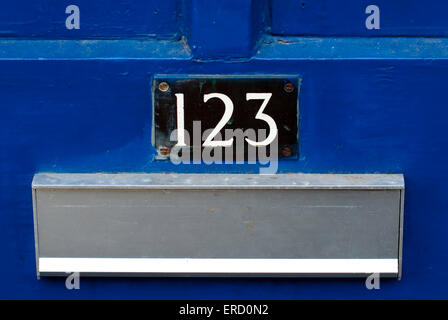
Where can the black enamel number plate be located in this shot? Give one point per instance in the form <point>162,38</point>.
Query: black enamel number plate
<point>212,111</point>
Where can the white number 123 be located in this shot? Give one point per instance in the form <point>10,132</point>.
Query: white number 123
<point>228,111</point>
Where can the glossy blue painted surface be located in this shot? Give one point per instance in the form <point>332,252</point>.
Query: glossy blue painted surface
<point>226,29</point>
<point>347,17</point>
<point>366,105</point>
<point>99,19</point>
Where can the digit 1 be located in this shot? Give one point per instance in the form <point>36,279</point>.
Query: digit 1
<point>180,120</point>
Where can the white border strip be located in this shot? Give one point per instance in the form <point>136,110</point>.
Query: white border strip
<point>217,266</point>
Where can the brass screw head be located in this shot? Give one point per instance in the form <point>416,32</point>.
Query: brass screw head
<point>289,87</point>
<point>163,86</point>
<point>286,151</point>
<point>164,151</point>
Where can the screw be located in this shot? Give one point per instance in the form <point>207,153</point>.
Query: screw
<point>286,151</point>
<point>289,87</point>
<point>164,151</point>
<point>163,86</point>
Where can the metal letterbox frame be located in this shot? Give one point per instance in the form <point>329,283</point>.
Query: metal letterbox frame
<point>116,205</point>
